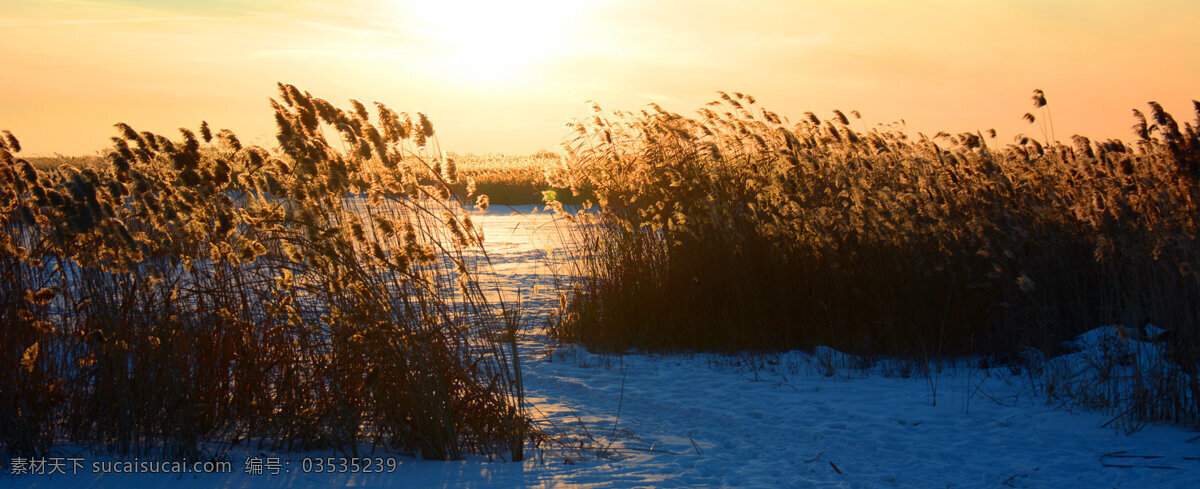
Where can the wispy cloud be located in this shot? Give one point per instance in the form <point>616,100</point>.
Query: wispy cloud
<point>310,53</point>
<point>75,22</point>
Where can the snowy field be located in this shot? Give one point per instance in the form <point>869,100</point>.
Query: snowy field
<point>789,420</point>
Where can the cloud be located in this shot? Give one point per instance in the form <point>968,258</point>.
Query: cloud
<point>309,53</point>
<point>75,22</point>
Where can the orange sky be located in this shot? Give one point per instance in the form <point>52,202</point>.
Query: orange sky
<point>504,76</point>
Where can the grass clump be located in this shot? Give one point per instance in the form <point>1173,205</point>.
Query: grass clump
<point>741,230</point>
<point>195,294</point>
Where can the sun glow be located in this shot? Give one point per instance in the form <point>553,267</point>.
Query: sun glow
<point>493,41</point>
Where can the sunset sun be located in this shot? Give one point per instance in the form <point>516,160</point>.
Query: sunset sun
<point>492,41</point>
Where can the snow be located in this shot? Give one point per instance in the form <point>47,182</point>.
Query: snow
<point>795,419</point>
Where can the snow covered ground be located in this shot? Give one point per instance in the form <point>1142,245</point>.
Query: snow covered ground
<point>789,420</point>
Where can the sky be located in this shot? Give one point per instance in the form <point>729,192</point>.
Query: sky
<point>505,76</point>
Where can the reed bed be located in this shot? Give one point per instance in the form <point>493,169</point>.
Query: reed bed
<point>513,180</point>
<point>738,229</point>
<point>49,163</point>
<point>504,179</point>
<point>195,294</point>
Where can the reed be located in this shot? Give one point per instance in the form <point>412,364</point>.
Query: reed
<point>738,229</point>
<point>196,294</point>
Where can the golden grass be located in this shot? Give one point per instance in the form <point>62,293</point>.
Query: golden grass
<point>741,230</point>
<point>197,293</point>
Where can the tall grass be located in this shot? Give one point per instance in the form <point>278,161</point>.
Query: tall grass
<point>197,294</point>
<point>741,230</point>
